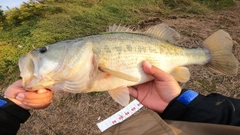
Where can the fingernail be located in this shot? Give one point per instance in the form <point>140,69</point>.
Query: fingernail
<point>25,103</point>
<point>20,97</point>
<point>40,91</point>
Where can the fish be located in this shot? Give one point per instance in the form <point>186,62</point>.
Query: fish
<point>111,61</point>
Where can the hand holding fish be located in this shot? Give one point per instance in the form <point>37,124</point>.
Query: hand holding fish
<point>28,100</point>
<point>157,93</point>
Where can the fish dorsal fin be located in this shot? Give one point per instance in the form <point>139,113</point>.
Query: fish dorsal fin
<point>119,28</point>
<point>160,31</point>
<point>120,74</point>
<point>181,74</point>
<point>120,95</point>
<point>164,33</point>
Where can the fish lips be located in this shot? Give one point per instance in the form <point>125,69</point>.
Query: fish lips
<point>27,66</point>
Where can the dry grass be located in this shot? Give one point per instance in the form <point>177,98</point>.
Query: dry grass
<point>77,114</point>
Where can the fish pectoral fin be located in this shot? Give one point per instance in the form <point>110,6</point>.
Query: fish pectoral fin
<point>181,74</point>
<point>120,74</point>
<point>120,95</point>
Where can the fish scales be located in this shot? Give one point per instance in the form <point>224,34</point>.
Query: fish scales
<point>142,48</point>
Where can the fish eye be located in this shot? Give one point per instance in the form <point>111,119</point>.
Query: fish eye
<point>43,49</point>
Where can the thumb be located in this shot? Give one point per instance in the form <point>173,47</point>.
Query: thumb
<point>157,73</point>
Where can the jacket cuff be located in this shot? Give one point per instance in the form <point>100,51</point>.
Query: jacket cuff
<point>180,105</point>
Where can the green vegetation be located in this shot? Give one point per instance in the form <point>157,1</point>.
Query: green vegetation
<point>35,24</point>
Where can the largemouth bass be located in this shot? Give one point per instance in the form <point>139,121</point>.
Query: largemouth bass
<point>112,61</point>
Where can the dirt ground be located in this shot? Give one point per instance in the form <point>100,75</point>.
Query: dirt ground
<point>77,114</point>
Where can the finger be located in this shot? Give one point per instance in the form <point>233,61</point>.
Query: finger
<point>36,106</point>
<point>157,73</point>
<point>18,84</point>
<point>19,103</point>
<point>14,89</point>
<point>38,101</point>
<point>133,92</point>
<point>35,95</point>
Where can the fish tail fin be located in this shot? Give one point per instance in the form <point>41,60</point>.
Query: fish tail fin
<point>219,45</point>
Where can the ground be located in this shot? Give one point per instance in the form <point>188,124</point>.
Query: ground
<point>77,114</point>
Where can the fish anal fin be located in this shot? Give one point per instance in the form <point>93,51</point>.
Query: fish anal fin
<point>120,74</point>
<point>163,32</point>
<point>120,95</point>
<point>181,74</point>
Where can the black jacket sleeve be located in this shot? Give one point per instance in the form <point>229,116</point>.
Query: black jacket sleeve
<point>11,116</point>
<point>213,108</point>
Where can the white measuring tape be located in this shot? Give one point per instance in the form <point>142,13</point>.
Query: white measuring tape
<point>120,116</point>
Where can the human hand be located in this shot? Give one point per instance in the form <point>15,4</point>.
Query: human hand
<point>28,100</point>
<point>156,94</point>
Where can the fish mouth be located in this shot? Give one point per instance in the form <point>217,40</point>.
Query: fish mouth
<point>29,72</point>
<point>24,63</point>
<point>26,67</point>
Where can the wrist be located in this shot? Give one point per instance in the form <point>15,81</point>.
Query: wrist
<point>168,100</point>
<point>178,107</point>
<point>4,101</point>
<point>11,108</point>
<point>11,101</point>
